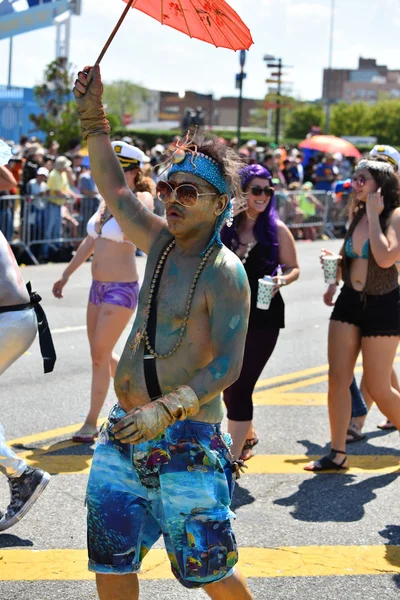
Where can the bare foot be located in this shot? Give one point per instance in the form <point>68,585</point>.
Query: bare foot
<point>386,425</point>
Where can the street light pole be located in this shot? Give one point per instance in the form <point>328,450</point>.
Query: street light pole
<point>329,81</point>
<point>239,80</point>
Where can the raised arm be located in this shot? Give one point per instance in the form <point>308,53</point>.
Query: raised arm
<point>139,225</point>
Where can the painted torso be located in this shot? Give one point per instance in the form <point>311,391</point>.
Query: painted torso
<point>195,352</point>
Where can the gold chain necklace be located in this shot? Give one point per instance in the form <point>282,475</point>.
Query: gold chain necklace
<point>143,334</point>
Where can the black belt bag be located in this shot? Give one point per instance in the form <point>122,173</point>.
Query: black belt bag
<point>45,340</point>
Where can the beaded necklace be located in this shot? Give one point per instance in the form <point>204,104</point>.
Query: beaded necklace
<point>250,246</point>
<point>143,333</point>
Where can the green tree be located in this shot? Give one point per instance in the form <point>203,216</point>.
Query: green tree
<point>385,122</point>
<point>59,118</point>
<point>122,97</point>
<point>302,118</point>
<point>351,119</point>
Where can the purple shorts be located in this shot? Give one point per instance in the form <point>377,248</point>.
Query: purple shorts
<point>115,292</point>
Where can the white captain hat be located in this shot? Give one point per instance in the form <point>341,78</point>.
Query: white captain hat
<point>392,155</point>
<point>130,157</point>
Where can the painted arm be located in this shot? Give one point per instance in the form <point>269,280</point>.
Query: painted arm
<point>139,225</point>
<point>228,302</point>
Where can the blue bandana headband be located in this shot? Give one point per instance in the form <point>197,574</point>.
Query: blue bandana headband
<point>203,166</point>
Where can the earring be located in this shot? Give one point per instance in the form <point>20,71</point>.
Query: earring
<point>229,221</point>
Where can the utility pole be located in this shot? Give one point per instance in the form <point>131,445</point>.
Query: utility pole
<point>277,79</point>
<point>10,62</point>
<point>239,84</point>
<point>329,81</point>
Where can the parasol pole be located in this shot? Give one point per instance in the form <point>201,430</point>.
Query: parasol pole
<point>114,32</point>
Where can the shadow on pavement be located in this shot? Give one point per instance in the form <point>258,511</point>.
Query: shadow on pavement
<point>392,534</point>
<point>359,449</point>
<point>8,540</point>
<point>334,498</point>
<point>241,497</point>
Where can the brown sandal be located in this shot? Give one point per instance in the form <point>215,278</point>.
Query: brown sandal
<point>248,445</point>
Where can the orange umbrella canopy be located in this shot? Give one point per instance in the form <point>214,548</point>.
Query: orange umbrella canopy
<point>330,143</point>
<point>212,21</point>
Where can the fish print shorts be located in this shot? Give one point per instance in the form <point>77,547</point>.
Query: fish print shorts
<point>117,293</point>
<point>178,485</point>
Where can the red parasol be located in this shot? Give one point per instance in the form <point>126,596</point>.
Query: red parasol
<point>330,143</point>
<point>212,21</point>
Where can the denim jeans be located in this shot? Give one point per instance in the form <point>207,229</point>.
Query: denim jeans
<point>358,406</point>
<point>53,224</point>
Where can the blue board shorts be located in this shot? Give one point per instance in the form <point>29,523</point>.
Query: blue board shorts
<point>178,485</point>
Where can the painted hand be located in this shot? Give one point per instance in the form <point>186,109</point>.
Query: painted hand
<point>146,422</point>
<point>375,204</point>
<point>88,90</point>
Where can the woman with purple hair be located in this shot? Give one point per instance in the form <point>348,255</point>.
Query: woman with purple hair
<point>263,243</point>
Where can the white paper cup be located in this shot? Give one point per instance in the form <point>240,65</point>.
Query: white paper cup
<point>331,263</point>
<point>264,295</point>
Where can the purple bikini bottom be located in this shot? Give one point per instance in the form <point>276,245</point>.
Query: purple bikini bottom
<point>114,292</point>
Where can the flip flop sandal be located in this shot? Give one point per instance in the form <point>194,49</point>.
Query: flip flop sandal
<point>355,436</point>
<point>386,427</point>
<point>326,463</point>
<point>249,445</point>
<point>85,438</point>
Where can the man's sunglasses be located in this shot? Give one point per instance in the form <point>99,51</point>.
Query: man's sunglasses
<point>185,194</point>
<point>257,190</point>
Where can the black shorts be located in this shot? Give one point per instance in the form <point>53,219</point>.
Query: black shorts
<point>373,315</point>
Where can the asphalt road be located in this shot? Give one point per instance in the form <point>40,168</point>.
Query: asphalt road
<point>303,536</point>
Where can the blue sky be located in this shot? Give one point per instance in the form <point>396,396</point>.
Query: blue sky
<point>161,58</point>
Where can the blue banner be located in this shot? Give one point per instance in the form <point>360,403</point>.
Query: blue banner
<point>37,16</point>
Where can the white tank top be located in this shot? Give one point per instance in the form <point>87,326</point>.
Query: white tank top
<point>110,230</point>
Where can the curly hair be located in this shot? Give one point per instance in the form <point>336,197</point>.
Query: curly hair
<point>145,184</point>
<point>389,183</point>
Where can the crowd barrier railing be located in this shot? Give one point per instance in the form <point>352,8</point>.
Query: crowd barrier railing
<point>45,230</point>
<point>49,232</point>
<point>310,214</point>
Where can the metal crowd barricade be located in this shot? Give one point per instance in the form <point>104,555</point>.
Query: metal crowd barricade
<point>44,230</point>
<point>310,214</point>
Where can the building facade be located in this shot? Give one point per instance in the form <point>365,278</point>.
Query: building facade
<point>369,83</point>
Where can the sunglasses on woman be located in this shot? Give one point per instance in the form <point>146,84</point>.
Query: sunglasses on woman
<point>257,190</point>
<point>361,179</point>
<point>185,194</point>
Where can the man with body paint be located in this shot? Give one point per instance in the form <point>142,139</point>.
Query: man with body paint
<point>18,328</point>
<point>162,465</point>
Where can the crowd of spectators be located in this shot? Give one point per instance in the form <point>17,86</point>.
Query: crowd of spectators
<point>56,195</point>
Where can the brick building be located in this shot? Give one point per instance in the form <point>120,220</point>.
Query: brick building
<point>367,83</point>
<point>222,112</point>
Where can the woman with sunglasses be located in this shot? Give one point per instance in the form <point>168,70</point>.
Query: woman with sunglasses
<point>366,314</point>
<point>114,291</point>
<point>262,242</point>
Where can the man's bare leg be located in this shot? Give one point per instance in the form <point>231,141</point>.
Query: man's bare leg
<point>118,587</point>
<point>234,586</point>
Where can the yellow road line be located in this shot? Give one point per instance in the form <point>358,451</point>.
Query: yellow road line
<point>266,464</point>
<point>268,398</point>
<point>300,384</point>
<point>47,435</point>
<point>261,383</point>
<point>292,561</point>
